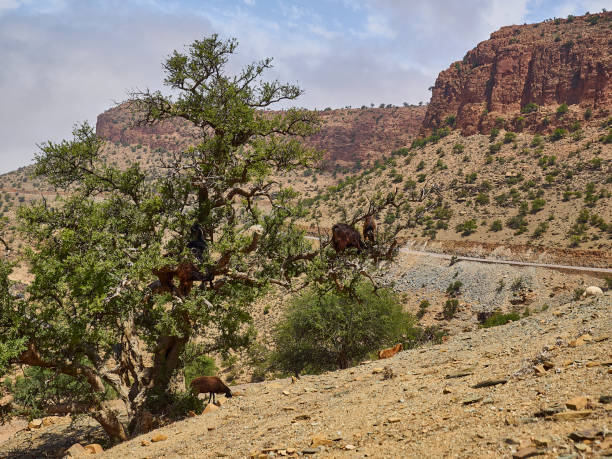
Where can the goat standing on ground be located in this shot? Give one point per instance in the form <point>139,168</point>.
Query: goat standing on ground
<point>390,352</point>
<point>210,385</point>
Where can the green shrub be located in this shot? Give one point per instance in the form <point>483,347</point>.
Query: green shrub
<point>454,288</point>
<point>39,389</point>
<point>467,227</point>
<point>471,178</point>
<point>482,199</point>
<point>529,108</point>
<point>540,230</point>
<point>562,109</point>
<point>537,205</point>
<point>197,363</point>
<point>494,133</point>
<point>496,225</point>
<point>495,148</point>
<point>500,319</point>
<point>509,137</point>
<point>423,306</point>
<point>326,330</point>
<point>536,141</point>
<point>578,293</point>
<point>558,134</point>
<point>450,308</point>
<point>458,148</point>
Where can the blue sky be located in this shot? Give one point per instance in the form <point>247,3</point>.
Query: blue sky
<point>66,61</point>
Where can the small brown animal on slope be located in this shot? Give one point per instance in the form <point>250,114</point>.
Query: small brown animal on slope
<point>210,385</point>
<point>344,237</point>
<point>369,227</point>
<point>390,352</point>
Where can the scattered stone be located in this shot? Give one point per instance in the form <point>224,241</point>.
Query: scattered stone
<point>286,392</point>
<point>460,374</point>
<point>310,451</point>
<point>210,408</point>
<point>35,424</point>
<point>290,450</point>
<point>393,420</point>
<point>548,365</point>
<point>447,390</point>
<point>489,383</point>
<point>582,447</point>
<point>526,452</point>
<point>144,443</point>
<point>349,447</point>
<point>549,411</point>
<point>289,408</point>
<point>94,448</point>
<point>605,399</point>
<point>541,442</point>
<point>321,440</point>
<point>487,401</point>
<point>159,437</point>
<point>539,370</point>
<point>302,417</point>
<point>76,450</point>
<point>50,420</point>
<point>191,414</point>
<point>592,364</point>
<point>511,441</point>
<point>601,338</point>
<point>577,403</point>
<point>572,415</point>
<point>471,399</point>
<point>209,428</point>
<point>221,401</point>
<point>581,435</point>
<point>581,340</point>
<point>377,370</point>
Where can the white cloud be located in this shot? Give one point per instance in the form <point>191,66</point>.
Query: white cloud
<point>249,2</point>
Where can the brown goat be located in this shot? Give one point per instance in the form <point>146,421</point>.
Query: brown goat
<point>210,385</point>
<point>390,352</point>
<point>344,237</point>
<point>369,227</point>
<point>186,272</point>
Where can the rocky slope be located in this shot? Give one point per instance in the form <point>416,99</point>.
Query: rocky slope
<point>565,60</point>
<point>347,136</point>
<point>537,386</point>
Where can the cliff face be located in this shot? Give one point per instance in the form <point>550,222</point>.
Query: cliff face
<point>565,60</point>
<point>347,136</point>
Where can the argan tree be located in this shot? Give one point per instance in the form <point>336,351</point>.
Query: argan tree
<point>89,312</point>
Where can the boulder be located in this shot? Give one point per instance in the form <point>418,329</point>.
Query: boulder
<point>593,291</point>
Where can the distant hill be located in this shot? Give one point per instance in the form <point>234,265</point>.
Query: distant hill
<point>347,136</point>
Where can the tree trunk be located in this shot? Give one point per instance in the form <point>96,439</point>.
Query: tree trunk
<point>111,425</point>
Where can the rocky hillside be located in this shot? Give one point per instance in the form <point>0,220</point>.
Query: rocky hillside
<point>505,79</point>
<point>347,136</point>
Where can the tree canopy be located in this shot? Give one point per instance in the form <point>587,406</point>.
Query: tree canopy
<point>91,311</point>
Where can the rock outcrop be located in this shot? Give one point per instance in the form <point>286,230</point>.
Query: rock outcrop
<point>562,60</point>
<point>347,136</point>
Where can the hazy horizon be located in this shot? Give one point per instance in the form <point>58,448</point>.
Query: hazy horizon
<point>67,61</point>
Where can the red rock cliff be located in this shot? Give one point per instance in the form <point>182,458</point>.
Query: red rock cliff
<point>565,60</point>
<point>347,136</point>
